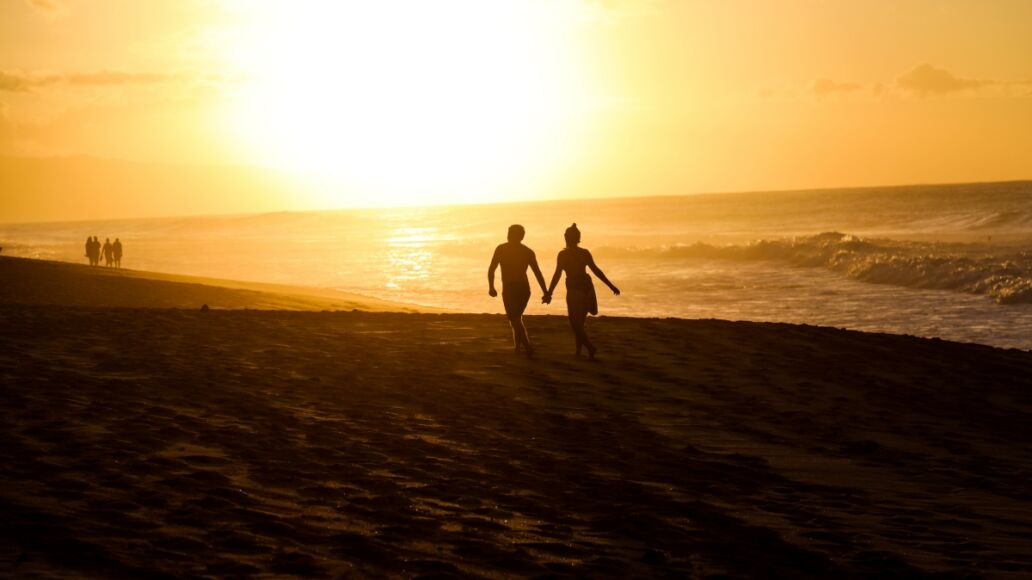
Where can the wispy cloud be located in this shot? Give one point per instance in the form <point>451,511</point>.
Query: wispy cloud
<point>926,80</point>
<point>823,87</point>
<point>15,82</point>
<point>49,8</point>
<point>1019,88</point>
<point>18,82</point>
<point>46,5</point>
<point>115,78</point>
<point>922,81</point>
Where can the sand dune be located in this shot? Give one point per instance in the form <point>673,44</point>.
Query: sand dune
<point>229,443</point>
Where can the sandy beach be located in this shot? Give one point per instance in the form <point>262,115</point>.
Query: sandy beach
<point>328,435</point>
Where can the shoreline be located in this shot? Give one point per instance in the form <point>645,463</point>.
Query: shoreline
<point>33,281</point>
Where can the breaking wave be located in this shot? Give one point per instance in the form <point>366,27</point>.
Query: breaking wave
<point>970,268</point>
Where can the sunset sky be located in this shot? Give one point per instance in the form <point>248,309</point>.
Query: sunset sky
<point>414,102</point>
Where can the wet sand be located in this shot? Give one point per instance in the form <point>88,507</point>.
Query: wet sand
<point>150,442</point>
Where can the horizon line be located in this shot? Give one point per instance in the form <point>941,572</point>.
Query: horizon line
<point>361,208</point>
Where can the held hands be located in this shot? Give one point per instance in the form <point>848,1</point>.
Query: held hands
<point>546,298</point>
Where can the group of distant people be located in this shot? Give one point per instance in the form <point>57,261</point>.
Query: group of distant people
<point>515,258</point>
<point>110,251</point>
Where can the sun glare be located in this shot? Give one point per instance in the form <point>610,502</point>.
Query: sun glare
<point>410,102</point>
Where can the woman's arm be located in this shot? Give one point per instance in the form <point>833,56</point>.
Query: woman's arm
<point>601,276</point>
<point>537,273</point>
<point>556,276</point>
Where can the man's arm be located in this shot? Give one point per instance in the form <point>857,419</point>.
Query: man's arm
<point>490,273</point>
<point>537,272</point>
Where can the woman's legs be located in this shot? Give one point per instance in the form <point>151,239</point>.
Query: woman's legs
<point>584,336</point>
<point>573,316</point>
<point>578,317</point>
<point>577,309</point>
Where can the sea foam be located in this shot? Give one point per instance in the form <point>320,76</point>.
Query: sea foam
<point>971,268</point>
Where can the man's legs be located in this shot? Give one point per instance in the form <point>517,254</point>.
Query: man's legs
<point>515,303</point>
<point>519,333</point>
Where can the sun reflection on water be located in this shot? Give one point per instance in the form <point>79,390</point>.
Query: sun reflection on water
<point>409,257</point>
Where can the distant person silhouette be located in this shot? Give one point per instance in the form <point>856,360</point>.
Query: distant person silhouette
<point>580,292</point>
<point>514,259</point>
<point>93,250</point>
<point>107,252</point>
<point>116,252</point>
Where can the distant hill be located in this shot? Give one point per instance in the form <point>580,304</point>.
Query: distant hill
<point>83,188</point>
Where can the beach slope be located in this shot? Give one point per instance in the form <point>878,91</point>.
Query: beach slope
<point>155,442</point>
<point>26,281</point>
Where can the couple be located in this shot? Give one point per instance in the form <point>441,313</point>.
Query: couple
<point>514,258</point>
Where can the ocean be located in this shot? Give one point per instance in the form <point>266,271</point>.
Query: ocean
<point>947,261</point>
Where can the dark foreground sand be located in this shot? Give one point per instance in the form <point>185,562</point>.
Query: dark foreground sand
<point>231,443</point>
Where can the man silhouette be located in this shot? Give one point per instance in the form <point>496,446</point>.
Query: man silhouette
<point>107,252</point>
<point>116,252</point>
<point>94,252</point>
<point>514,258</point>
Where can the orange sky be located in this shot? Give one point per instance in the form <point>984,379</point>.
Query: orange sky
<point>396,102</point>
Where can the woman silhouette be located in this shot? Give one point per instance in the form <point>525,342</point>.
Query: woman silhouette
<point>580,292</point>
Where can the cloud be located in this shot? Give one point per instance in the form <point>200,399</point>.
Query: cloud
<point>926,80</point>
<point>52,9</point>
<point>46,5</point>
<point>17,82</point>
<point>826,87</point>
<point>1017,88</point>
<point>14,82</point>
<point>102,78</point>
